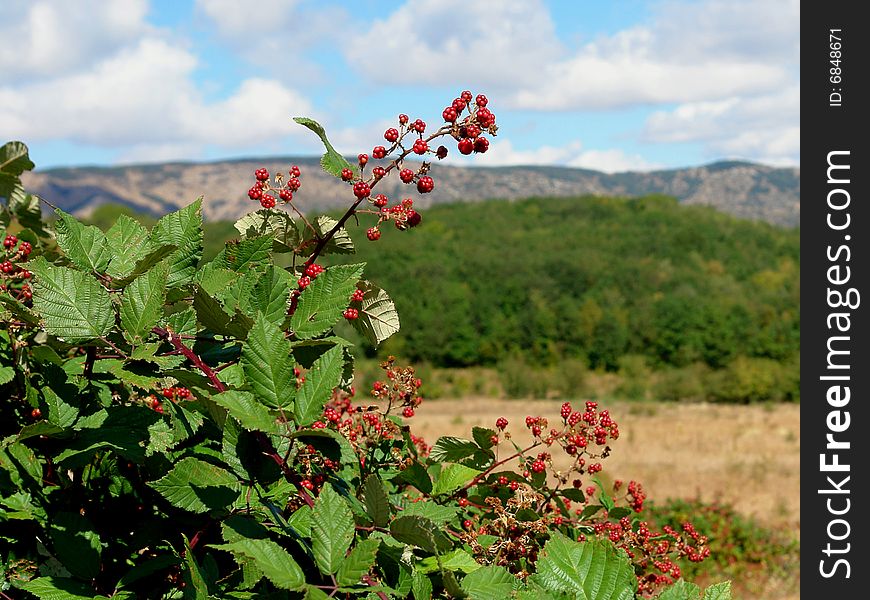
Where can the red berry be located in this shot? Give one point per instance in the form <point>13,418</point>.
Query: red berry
<point>182,392</point>
<point>425,185</point>
<point>481,100</point>
<point>294,184</point>
<point>255,193</point>
<point>565,410</point>
<point>472,130</point>
<point>467,524</point>
<point>419,126</point>
<point>459,105</point>
<point>261,174</point>
<point>363,159</point>
<point>267,201</point>
<point>406,175</point>
<point>536,430</point>
<point>357,296</point>
<point>391,134</point>
<point>361,189</point>
<point>501,423</point>
<point>351,313</point>
<point>441,152</point>
<point>449,114</point>
<point>10,241</point>
<point>36,413</point>
<point>313,270</point>
<point>168,392</point>
<point>538,466</point>
<point>403,119</point>
<point>514,486</point>
<point>466,96</point>
<point>286,195</point>
<point>408,412</point>
<point>466,146</point>
<point>485,117</point>
<point>306,484</point>
<point>463,502</point>
<point>421,147</point>
<point>502,480</point>
<point>379,152</point>
<point>380,201</point>
<point>304,282</point>
<point>379,172</point>
<point>374,234</point>
<point>413,218</point>
<point>346,174</point>
<point>294,171</point>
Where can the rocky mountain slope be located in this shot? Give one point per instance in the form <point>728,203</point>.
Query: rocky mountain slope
<point>743,189</point>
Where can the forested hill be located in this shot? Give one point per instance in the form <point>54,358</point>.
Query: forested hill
<point>743,189</point>
<point>593,278</point>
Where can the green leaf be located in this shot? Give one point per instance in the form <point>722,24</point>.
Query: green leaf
<point>588,570</point>
<point>421,586</point>
<point>323,377</point>
<point>73,306</point>
<point>244,255</point>
<point>182,229</point>
<point>252,415</point>
<point>142,303</point>
<point>332,162</point>
<point>127,240</point>
<point>275,223</point>
<point>341,242</point>
<point>437,513</point>
<point>358,562</point>
<point>146,568</point>
<point>489,583</point>
<point>681,590</point>
<point>268,364</point>
<point>275,563</point>
<point>322,303</point>
<point>452,477</point>
<point>421,532</point>
<point>483,436</point>
<point>60,412</point>
<point>84,245</point>
<point>376,500</point>
<point>76,544</point>
<point>212,314</point>
<point>458,560</point>
<point>198,589</point>
<point>270,295</point>
<point>59,588</point>
<point>197,486</point>
<point>332,530</point>
<point>378,318</point>
<point>452,449</point>
<point>14,159</point>
<point>415,474</point>
<point>718,591</point>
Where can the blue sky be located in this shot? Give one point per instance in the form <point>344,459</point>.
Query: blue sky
<point>621,85</point>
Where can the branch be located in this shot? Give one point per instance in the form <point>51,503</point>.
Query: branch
<point>175,339</point>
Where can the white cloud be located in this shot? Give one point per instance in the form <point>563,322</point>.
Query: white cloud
<point>144,97</point>
<point>455,42</point>
<point>52,37</point>
<point>502,153</point>
<point>234,18</point>
<point>764,128</point>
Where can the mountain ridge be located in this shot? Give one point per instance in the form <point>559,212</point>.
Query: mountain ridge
<point>744,189</point>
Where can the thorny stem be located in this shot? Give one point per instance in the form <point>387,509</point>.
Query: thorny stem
<point>174,339</point>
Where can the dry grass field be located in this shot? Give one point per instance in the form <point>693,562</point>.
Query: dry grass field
<point>746,456</point>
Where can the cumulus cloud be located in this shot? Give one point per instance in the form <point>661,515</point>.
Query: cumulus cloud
<point>435,42</point>
<point>144,96</point>
<point>612,160</point>
<point>50,37</point>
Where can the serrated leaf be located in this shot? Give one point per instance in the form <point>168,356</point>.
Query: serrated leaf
<point>452,449</point>
<point>588,570</point>
<point>73,306</point>
<point>323,377</point>
<point>718,591</point>
<point>252,415</point>
<point>378,317</point>
<point>212,314</point>
<point>489,583</point>
<point>182,229</point>
<point>248,253</point>
<point>358,562</point>
<point>452,477</point>
<point>322,303</point>
<point>182,322</point>
<point>332,530</point>
<point>270,295</point>
<point>376,500</point>
<point>421,532</point>
<point>274,223</point>
<point>84,245</point>
<point>268,364</point>
<point>7,374</point>
<point>483,436</point>
<point>60,412</point>
<point>437,513</point>
<point>14,159</point>
<point>332,162</point>
<point>59,588</point>
<point>198,589</point>
<point>142,303</point>
<point>681,590</point>
<point>300,521</point>
<point>421,586</point>
<point>76,544</point>
<point>275,563</point>
<point>458,560</point>
<point>127,240</point>
<point>340,243</point>
<point>415,474</point>
<point>197,486</point>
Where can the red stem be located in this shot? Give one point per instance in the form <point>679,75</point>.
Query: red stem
<point>516,454</point>
<point>175,339</point>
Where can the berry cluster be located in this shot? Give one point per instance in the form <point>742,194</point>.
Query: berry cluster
<point>468,131</point>
<point>173,394</point>
<point>14,278</point>
<point>263,189</point>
